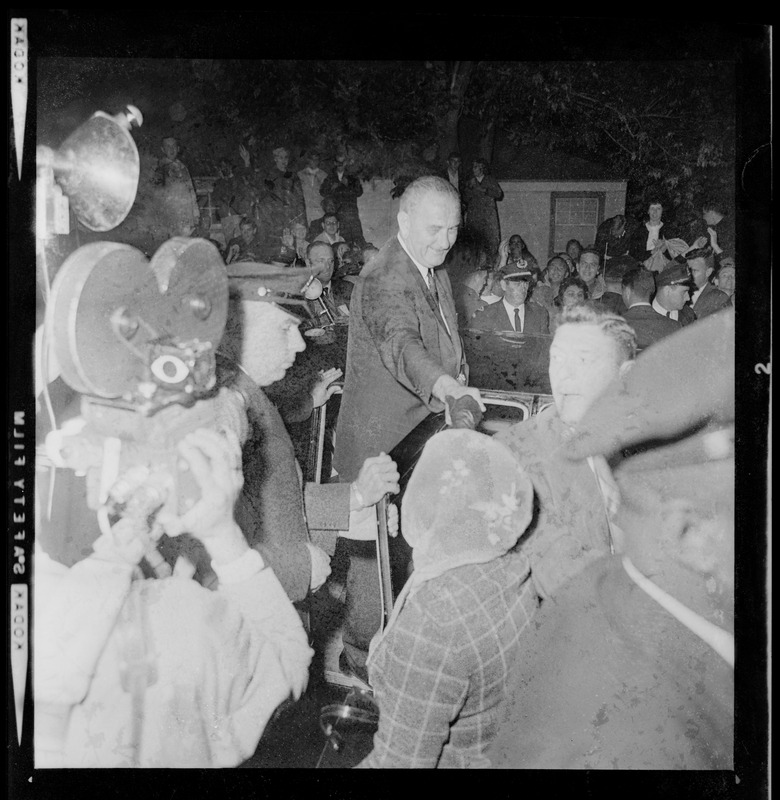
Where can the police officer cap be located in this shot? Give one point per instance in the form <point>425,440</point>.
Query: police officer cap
<point>673,275</point>
<point>283,286</point>
<point>515,271</point>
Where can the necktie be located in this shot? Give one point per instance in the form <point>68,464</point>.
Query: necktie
<point>432,286</point>
<point>326,291</point>
<point>518,325</point>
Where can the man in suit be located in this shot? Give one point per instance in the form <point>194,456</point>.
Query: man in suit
<point>404,357</point>
<point>330,230</point>
<point>672,287</point>
<point>336,292</point>
<point>513,312</point>
<point>705,299</point>
<point>648,324</point>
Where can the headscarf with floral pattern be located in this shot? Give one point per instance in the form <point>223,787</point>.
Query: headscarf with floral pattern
<point>468,501</point>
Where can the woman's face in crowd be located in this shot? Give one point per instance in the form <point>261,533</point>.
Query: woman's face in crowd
<point>654,212</point>
<point>479,170</point>
<point>573,249</point>
<point>573,296</point>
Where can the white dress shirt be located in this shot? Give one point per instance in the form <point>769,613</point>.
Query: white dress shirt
<point>665,312</point>
<point>510,309</point>
<point>424,273</point>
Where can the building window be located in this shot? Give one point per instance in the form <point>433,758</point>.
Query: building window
<point>575,215</point>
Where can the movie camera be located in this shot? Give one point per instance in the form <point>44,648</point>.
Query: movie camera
<point>136,338</point>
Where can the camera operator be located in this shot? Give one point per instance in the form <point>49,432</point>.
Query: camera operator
<point>164,673</point>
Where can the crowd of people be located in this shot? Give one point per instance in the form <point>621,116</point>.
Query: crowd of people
<point>647,276</point>
<point>539,555</point>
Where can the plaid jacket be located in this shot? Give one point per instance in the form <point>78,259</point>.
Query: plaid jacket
<point>440,674</point>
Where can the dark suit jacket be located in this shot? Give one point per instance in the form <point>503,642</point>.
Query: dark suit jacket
<point>649,325</point>
<point>397,349</point>
<point>709,301</point>
<point>495,318</point>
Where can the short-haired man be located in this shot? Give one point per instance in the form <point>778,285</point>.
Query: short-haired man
<point>589,350</point>
<point>330,230</point>
<point>514,312</point>
<point>705,299</point>
<point>336,292</point>
<point>672,288</point>
<point>632,667</point>
<point>404,357</point>
<point>612,299</point>
<point>650,326</point>
<point>726,277</point>
<point>588,266</point>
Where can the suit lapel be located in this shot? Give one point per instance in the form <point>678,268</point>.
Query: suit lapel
<point>423,287</point>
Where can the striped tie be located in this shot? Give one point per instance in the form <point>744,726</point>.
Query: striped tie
<point>432,286</point>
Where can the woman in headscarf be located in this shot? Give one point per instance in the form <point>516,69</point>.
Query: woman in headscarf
<point>439,670</point>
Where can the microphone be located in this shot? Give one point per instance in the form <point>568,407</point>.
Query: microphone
<point>313,291</point>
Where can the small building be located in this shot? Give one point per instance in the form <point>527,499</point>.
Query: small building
<point>550,198</point>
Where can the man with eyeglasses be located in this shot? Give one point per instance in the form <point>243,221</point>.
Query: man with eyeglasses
<point>330,230</point>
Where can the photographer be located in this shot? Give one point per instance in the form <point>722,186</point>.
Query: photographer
<point>164,673</point>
